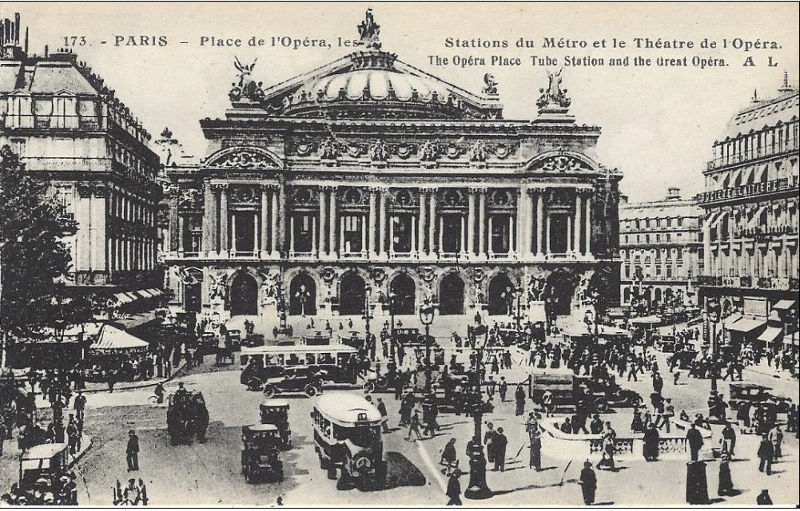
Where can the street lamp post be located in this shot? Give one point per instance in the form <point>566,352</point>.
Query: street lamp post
<point>426,313</point>
<point>477,488</point>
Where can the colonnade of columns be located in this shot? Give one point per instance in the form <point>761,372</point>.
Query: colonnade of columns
<point>528,227</point>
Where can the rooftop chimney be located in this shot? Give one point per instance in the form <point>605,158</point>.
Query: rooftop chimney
<point>786,86</point>
<point>673,193</point>
<point>10,48</point>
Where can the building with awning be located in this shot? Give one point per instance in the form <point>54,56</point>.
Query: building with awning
<point>115,340</point>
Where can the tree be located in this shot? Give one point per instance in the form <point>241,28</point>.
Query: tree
<point>34,259</point>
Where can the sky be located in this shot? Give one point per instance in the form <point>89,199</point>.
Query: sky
<point>658,123</point>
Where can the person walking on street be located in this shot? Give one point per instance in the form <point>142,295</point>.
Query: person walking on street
<point>413,426</point>
<point>728,439</point>
<point>488,441</point>
<point>79,405</point>
<point>500,443</point>
<point>776,438</point>
<point>519,397</point>
<point>765,455</point>
<point>502,389</point>
<point>695,440</point>
<point>384,415</point>
<point>132,451</point>
<point>454,488</point>
<point>588,482</point>
<point>725,486</point>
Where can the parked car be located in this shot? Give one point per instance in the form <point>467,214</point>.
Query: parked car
<point>260,453</point>
<point>294,380</point>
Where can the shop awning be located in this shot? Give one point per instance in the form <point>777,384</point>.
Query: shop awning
<point>113,339</point>
<point>123,298</point>
<point>645,320</point>
<point>143,293</point>
<point>733,318</point>
<point>712,218</point>
<point>756,220</point>
<point>783,305</point>
<point>156,292</point>
<point>746,325</point>
<point>770,334</point>
<point>719,218</point>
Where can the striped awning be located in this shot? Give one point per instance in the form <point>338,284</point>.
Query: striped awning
<point>753,222</point>
<point>746,325</point>
<point>770,334</point>
<point>112,338</point>
<point>123,298</point>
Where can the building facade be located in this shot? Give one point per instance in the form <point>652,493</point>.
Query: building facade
<point>661,251</point>
<point>750,227</point>
<point>70,129</point>
<point>368,179</point>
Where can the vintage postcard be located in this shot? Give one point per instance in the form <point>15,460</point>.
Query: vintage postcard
<point>399,254</point>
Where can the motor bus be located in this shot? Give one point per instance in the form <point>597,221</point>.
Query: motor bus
<point>337,362</point>
<point>347,438</point>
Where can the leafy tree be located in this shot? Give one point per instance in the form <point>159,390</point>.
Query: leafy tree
<point>34,259</point>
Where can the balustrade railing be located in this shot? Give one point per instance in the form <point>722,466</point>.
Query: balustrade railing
<point>761,152</point>
<point>749,190</point>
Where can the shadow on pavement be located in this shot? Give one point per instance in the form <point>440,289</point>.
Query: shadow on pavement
<point>402,472</point>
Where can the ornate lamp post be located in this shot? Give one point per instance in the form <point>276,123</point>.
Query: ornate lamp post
<point>477,488</point>
<point>426,313</point>
<point>302,294</point>
<point>392,303</point>
<point>368,344</point>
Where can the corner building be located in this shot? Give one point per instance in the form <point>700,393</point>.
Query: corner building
<point>72,131</point>
<point>368,175</point>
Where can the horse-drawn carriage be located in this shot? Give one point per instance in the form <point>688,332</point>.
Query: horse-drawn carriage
<point>187,417</point>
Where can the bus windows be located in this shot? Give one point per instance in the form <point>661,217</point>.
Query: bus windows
<point>243,360</point>
<point>293,360</point>
<point>278,359</point>
<point>268,360</point>
<point>324,358</point>
<point>327,427</point>
<point>311,359</point>
<point>342,358</point>
<point>257,360</point>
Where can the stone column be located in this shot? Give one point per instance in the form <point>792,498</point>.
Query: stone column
<point>382,226</point>
<point>363,225</point>
<point>489,236</point>
<point>707,247</point>
<point>441,235</point>
<point>432,223</point>
<point>223,220</point>
<point>373,220</point>
<point>256,235</point>
<point>273,219</point>
<point>513,241</point>
<point>482,222</point>
<point>576,246</point>
<point>322,222</point>
<point>520,223</point>
<point>414,248</point>
<point>341,236</point>
<point>291,235</point>
<point>282,212</point>
<point>589,224</point>
<point>391,236</point>
<point>332,224</point>
<point>314,222</point>
<point>209,207</point>
<point>462,235</point>
<point>471,222</point>
<point>179,236</point>
<point>547,235</point>
<point>172,196</point>
<point>421,223</point>
<point>539,223</point>
<point>569,234</point>
<point>264,225</point>
<point>234,247</point>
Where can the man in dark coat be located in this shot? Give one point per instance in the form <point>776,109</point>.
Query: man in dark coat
<point>728,439</point>
<point>765,455</point>
<point>500,443</point>
<point>384,415</point>
<point>132,451</point>
<point>454,488</point>
<point>588,482</point>
<point>650,449</point>
<point>502,389</point>
<point>764,499</point>
<point>519,397</point>
<point>695,440</point>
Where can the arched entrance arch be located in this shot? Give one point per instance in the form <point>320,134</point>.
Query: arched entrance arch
<point>560,288</point>
<point>302,295</point>
<point>657,298</point>
<point>244,295</point>
<point>500,298</point>
<point>404,290</point>
<point>451,295</point>
<point>352,294</point>
<point>192,297</point>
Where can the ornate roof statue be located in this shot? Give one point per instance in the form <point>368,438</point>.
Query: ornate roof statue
<point>490,85</point>
<point>369,31</point>
<point>554,97</point>
<point>247,88</point>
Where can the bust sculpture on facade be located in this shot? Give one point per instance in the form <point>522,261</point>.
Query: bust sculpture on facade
<point>489,85</point>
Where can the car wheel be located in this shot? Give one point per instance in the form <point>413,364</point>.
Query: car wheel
<point>311,390</point>
<point>254,384</point>
<point>270,391</point>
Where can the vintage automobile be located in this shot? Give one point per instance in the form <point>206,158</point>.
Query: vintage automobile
<point>347,439</point>
<point>756,395</point>
<point>406,335</point>
<point>253,340</point>
<point>261,454</point>
<point>683,358</point>
<point>187,417</point>
<point>207,344</point>
<point>234,337</point>
<point>604,394</point>
<point>276,412</point>
<point>665,343</point>
<point>294,380</point>
<point>42,464</point>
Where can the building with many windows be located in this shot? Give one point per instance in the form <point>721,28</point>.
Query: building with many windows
<point>368,178</point>
<point>750,227</point>
<point>661,251</point>
<point>69,128</point>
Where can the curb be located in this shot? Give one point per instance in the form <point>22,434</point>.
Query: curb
<point>89,443</point>
<point>142,385</point>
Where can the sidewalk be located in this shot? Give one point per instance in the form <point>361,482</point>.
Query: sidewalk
<point>764,369</point>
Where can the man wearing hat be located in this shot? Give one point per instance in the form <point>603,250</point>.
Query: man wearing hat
<point>588,482</point>
<point>132,451</point>
<point>454,488</point>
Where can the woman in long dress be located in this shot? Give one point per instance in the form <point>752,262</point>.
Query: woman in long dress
<point>725,486</point>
